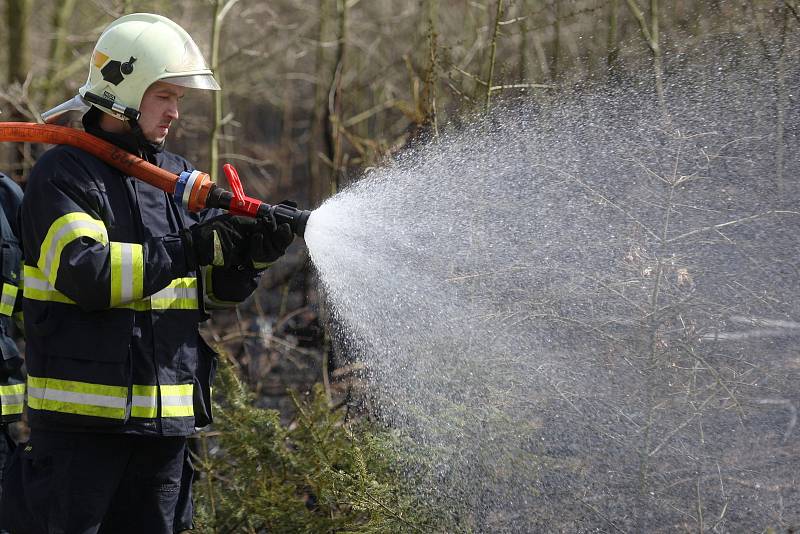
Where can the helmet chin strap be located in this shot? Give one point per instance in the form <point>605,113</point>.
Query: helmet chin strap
<point>141,140</point>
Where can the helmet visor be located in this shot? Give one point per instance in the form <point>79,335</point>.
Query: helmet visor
<point>194,81</point>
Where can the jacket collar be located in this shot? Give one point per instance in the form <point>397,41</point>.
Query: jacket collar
<point>131,141</point>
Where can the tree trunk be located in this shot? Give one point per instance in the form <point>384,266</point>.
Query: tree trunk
<point>61,16</point>
<point>613,36</point>
<point>17,12</point>
<point>320,174</point>
<point>216,130</point>
<point>555,70</point>
<point>431,121</point>
<point>334,121</point>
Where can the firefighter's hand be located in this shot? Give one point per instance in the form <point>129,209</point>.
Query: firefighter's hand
<point>269,241</point>
<point>221,241</point>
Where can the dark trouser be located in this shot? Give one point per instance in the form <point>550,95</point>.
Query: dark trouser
<point>89,483</point>
<point>6,450</point>
<point>7,447</point>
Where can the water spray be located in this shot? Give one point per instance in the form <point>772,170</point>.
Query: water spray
<point>195,190</point>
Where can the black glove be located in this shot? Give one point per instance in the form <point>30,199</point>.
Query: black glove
<point>221,241</point>
<point>269,241</point>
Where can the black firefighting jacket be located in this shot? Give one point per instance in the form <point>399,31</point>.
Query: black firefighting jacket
<point>12,381</point>
<point>111,309</point>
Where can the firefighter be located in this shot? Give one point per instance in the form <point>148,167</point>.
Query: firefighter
<point>117,274</point>
<point>12,380</point>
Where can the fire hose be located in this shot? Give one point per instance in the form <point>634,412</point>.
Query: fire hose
<point>195,190</point>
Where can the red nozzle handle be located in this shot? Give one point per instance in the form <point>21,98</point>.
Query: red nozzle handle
<point>240,204</point>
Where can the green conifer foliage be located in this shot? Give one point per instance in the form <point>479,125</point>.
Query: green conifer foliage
<point>318,474</point>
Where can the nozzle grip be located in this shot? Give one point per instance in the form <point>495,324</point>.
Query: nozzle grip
<point>296,218</point>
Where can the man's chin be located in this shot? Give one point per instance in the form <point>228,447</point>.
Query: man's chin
<point>156,139</point>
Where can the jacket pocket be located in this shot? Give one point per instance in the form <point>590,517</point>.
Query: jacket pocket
<point>8,348</point>
<point>96,336</point>
<point>203,381</point>
<point>10,261</point>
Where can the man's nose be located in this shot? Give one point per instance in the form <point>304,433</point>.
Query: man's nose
<point>172,112</point>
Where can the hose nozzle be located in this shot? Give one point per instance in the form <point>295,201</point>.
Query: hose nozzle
<point>287,212</point>
<point>238,203</point>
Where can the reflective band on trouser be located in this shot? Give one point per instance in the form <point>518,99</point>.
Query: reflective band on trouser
<point>81,398</point>
<point>7,299</point>
<point>11,399</point>
<point>63,231</point>
<point>176,401</point>
<point>127,272</point>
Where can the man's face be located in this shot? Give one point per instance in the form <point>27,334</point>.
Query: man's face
<point>158,109</point>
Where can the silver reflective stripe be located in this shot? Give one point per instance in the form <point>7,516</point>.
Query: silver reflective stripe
<point>8,297</point>
<point>144,401</point>
<point>38,283</point>
<point>176,293</point>
<point>176,400</point>
<point>77,398</point>
<point>17,398</point>
<point>126,272</point>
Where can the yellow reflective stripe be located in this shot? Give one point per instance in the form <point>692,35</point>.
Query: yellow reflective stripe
<point>177,401</point>
<point>127,272</point>
<point>82,398</point>
<point>63,231</point>
<point>144,401</point>
<point>12,397</point>
<point>180,294</point>
<point>37,287</point>
<point>12,409</point>
<point>7,299</point>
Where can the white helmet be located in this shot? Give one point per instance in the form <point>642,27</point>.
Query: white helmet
<point>131,54</point>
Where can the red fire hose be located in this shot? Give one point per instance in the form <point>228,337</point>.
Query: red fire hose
<point>194,190</point>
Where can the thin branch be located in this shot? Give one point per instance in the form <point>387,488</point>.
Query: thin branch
<point>639,16</point>
<point>522,86</point>
<point>468,75</point>
<point>731,223</point>
<point>364,115</point>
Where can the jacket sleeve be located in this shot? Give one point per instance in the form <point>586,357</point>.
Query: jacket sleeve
<point>67,244</point>
<point>10,252</point>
